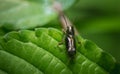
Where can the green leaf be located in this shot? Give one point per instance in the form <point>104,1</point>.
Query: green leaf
<point>15,65</point>
<point>24,14</point>
<point>37,52</point>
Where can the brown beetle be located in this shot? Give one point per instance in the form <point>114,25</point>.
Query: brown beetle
<point>68,30</point>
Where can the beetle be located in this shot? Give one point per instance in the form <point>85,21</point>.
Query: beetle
<point>69,35</point>
<point>68,31</point>
<point>70,41</point>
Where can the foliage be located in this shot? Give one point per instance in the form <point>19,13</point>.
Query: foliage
<point>36,51</point>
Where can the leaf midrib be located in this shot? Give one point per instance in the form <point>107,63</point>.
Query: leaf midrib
<point>44,50</point>
<point>83,55</point>
<point>56,56</point>
<point>24,60</point>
